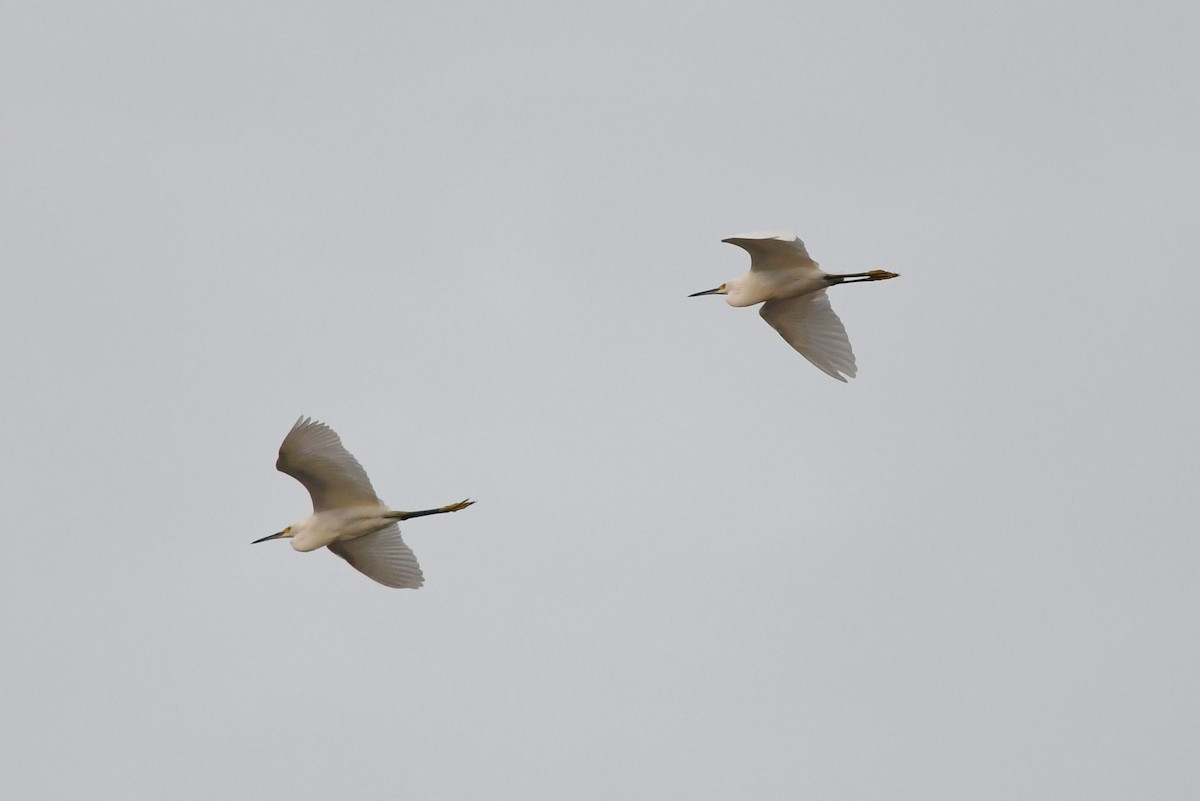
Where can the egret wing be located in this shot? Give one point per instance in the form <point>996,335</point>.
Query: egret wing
<point>382,556</point>
<point>773,251</point>
<point>809,325</point>
<point>314,455</point>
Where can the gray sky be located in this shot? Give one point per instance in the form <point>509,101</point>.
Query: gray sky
<point>462,235</point>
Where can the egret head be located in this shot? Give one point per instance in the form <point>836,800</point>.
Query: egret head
<point>287,532</point>
<point>723,289</point>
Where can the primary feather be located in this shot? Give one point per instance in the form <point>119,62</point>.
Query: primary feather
<point>382,556</point>
<point>314,455</point>
<point>810,325</point>
<point>772,251</point>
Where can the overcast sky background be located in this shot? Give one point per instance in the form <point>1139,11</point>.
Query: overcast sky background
<point>698,568</point>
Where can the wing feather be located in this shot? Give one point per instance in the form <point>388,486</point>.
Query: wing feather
<point>810,325</point>
<point>773,251</point>
<point>382,556</point>
<point>314,455</point>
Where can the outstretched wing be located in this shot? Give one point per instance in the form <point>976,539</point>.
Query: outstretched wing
<point>809,325</point>
<point>313,454</point>
<point>772,251</point>
<point>382,556</point>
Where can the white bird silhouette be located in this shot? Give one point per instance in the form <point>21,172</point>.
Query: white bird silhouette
<point>347,515</point>
<point>791,288</point>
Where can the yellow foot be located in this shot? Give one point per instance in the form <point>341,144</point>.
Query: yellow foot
<point>454,507</point>
<point>880,275</point>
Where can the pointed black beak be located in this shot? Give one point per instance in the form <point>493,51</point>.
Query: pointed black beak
<point>705,292</point>
<point>272,537</point>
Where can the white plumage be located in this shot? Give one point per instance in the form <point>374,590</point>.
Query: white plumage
<point>791,288</point>
<point>348,516</point>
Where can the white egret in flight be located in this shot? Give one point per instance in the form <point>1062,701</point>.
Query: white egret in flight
<point>347,515</point>
<point>791,288</point>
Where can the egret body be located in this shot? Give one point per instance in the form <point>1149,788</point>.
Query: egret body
<point>347,517</point>
<point>791,288</point>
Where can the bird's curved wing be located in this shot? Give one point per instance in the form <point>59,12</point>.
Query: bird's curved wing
<point>313,454</point>
<point>809,325</point>
<point>772,251</point>
<point>382,556</point>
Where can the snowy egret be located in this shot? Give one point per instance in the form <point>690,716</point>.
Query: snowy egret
<point>347,515</point>
<point>793,287</point>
